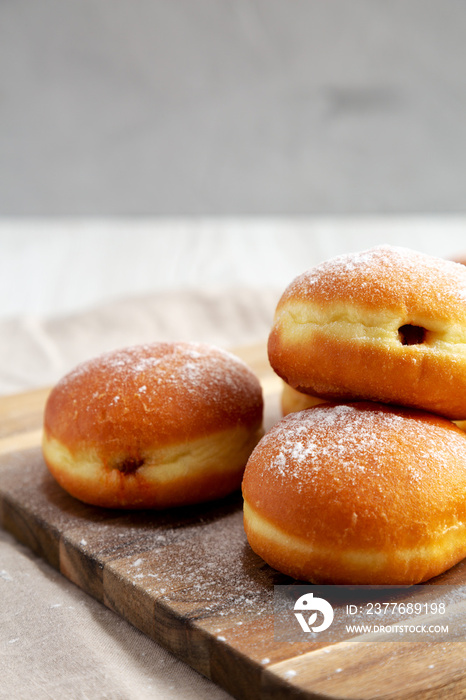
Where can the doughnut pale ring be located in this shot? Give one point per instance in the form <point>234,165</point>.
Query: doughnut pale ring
<point>358,494</point>
<point>386,325</point>
<point>293,401</point>
<point>153,426</point>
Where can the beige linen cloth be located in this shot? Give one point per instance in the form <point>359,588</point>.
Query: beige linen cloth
<point>57,642</point>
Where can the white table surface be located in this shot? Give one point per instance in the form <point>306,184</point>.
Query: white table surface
<point>55,266</point>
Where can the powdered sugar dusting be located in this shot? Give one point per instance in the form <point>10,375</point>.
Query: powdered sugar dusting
<point>387,273</point>
<point>359,439</point>
<point>194,366</point>
<point>165,389</point>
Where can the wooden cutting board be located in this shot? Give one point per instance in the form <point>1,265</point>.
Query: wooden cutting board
<point>188,579</point>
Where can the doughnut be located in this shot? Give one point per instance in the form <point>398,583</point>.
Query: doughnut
<point>386,325</point>
<point>358,493</point>
<point>461,259</point>
<point>153,426</point>
<point>293,401</point>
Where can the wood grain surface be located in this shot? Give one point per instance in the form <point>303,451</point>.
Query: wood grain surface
<point>188,579</point>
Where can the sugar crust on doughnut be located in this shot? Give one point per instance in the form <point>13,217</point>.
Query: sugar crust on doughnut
<point>153,426</point>
<point>358,494</point>
<point>293,401</point>
<point>336,332</point>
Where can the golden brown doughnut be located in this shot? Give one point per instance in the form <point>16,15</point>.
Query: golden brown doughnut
<point>460,259</point>
<point>153,426</point>
<point>358,494</point>
<point>293,401</point>
<point>386,325</point>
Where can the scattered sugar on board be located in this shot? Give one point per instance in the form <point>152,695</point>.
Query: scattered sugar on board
<point>209,566</point>
<point>289,674</point>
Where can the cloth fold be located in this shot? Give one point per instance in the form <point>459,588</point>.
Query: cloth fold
<point>38,351</point>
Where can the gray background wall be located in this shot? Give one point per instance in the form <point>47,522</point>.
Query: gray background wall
<point>232,107</point>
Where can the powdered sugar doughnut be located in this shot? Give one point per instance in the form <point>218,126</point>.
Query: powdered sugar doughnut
<point>358,494</point>
<point>387,324</point>
<point>153,426</point>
